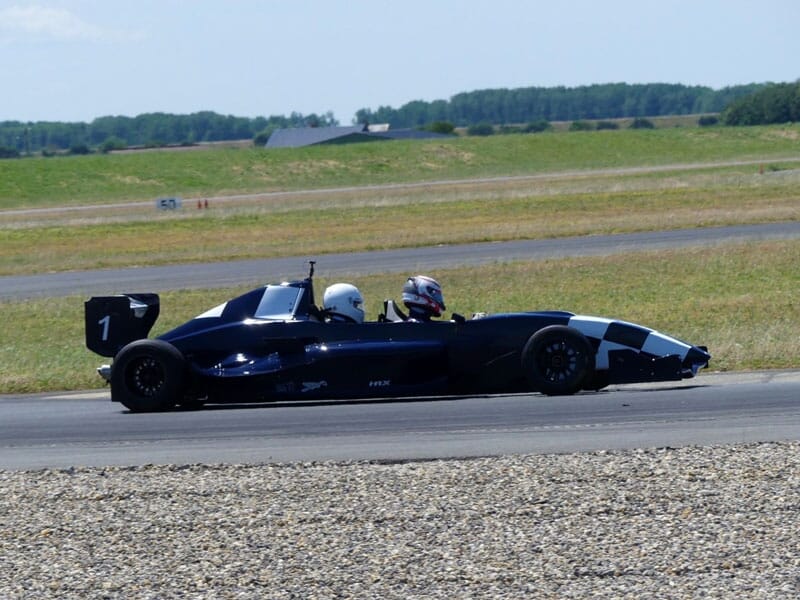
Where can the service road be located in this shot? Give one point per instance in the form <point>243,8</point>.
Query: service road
<point>86,429</point>
<point>403,260</point>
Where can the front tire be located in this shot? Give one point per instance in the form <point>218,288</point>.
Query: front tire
<point>148,376</point>
<point>558,360</point>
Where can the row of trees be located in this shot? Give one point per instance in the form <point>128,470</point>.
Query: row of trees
<point>778,103</point>
<point>483,129</point>
<point>526,105</point>
<point>480,110</point>
<point>151,129</point>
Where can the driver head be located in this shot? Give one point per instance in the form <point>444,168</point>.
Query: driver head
<point>345,301</point>
<point>424,294</point>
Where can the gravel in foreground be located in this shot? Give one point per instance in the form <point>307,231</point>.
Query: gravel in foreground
<point>717,522</point>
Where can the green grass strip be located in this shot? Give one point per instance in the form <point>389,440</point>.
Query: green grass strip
<point>56,181</point>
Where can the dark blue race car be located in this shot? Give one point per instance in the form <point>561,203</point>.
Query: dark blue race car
<point>274,343</point>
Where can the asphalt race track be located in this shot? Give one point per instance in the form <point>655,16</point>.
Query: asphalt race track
<point>86,429</point>
<point>228,274</point>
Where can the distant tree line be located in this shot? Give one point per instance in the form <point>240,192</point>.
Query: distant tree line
<point>483,112</point>
<point>536,104</point>
<point>485,128</point>
<point>776,103</point>
<point>151,129</point>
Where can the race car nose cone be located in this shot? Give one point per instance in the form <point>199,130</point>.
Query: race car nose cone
<point>697,358</point>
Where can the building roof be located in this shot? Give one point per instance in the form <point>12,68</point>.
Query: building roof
<point>306,136</point>
<point>309,136</point>
<point>410,134</point>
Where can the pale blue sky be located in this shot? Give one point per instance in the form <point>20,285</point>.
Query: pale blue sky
<point>74,60</point>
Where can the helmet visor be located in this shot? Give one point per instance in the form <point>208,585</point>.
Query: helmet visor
<point>435,294</point>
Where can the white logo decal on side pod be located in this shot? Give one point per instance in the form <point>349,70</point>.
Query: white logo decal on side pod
<point>309,386</point>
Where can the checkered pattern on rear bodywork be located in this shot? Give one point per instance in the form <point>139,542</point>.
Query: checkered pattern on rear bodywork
<point>619,335</point>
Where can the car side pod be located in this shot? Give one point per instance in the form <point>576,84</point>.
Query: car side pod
<point>112,322</point>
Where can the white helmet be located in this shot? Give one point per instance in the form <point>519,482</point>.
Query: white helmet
<point>424,294</point>
<point>344,300</point>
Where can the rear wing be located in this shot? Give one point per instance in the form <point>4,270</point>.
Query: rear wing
<point>111,322</point>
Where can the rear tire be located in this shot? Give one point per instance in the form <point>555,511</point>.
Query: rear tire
<point>148,376</point>
<point>558,360</point>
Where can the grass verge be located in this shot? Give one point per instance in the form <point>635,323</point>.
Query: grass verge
<point>740,300</point>
<point>364,220</point>
<point>47,182</point>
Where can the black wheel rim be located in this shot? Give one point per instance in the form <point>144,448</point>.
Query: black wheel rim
<point>558,361</point>
<point>146,376</point>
